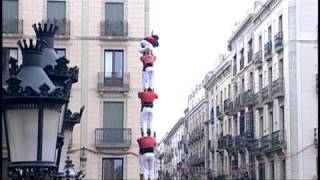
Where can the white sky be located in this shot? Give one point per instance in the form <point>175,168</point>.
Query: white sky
<point>191,36</point>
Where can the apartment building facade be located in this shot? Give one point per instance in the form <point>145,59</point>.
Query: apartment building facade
<point>170,153</point>
<point>217,84</point>
<point>195,116</point>
<point>272,103</point>
<point>102,38</point>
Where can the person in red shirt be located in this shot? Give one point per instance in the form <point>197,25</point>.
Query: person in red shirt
<point>148,71</point>
<point>146,115</point>
<point>146,159</point>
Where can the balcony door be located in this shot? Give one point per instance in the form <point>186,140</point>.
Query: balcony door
<point>112,168</point>
<point>56,13</point>
<point>114,16</point>
<point>113,116</point>
<point>113,67</point>
<point>10,16</point>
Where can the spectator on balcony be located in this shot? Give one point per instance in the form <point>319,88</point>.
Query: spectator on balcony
<point>146,115</point>
<point>147,70</point>
<point>147,145</point>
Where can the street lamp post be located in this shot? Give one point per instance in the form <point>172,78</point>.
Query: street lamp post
<point>33,106</point>
<point>46,83</point>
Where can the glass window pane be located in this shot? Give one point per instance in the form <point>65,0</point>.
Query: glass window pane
<point>10,9</point>
<point>114,12</point>
<point>112,168</point>
<point>61,52</point>
<point>56,10</point>
<point>118,63</point>
<point>108,64</point>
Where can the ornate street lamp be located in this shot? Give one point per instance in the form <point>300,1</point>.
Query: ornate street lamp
<point>33,107</point>
<point>61,76</point>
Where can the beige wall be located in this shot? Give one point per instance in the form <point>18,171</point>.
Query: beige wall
<point>86,50</point>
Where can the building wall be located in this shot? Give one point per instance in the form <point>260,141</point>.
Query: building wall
<point>85,49</point>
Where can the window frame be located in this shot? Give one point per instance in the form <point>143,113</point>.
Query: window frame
<point>113,158</point>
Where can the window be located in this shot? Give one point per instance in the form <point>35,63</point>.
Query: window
<point>10,16</point>
<point>60,52</point>
<point>112,168</point>
<point>113,66</point>
<point>282,125</point>
<point>56,13</point>
<point>261,123</point>
<point>270,75</point>
<point>260,82</point>
<point>234,64</point>
<point>242,122</point>
<point>271,121</point>
<point>242,85</point>
<point>272,172</point>
<point>261,170</point>
<point>280,68</point>
<point>280,23</point>
<point>283,169</point>
<point>260,42</point>
<point>6,54</point>
<point>114,16</point>
<point>113,116</point>
<point>251,81</point>
<point>229,91</point>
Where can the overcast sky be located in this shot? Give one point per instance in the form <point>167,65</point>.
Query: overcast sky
<point>191,36</point>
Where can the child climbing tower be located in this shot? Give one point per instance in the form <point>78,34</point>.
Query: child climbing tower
<point>147,140</point>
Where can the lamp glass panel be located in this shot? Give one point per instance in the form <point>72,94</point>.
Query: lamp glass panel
<point>62,117</point>
<point>23,134</point>
<point>63,156</point>
<point>51,119</point>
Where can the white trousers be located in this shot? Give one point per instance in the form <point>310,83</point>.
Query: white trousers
<point>148,164</point>
<point>148,78</point>
<point>146,117</point>
<point>141,169</point>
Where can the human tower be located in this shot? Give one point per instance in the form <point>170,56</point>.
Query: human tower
<point>147,140</point>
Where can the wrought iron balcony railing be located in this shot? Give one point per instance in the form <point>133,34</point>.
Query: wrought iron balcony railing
<point>112,137</point>
<point>257,99</point>
<point>255,146</point>
<point>64,27</point>
<point>278,140</point>
<point>12,27</point>
<point>268,50</point>
<point>277,88</point>
<point>258,59</point>
<point>278,41</point>
<point>248,97</point>
<point>266,94</point>
<point>118,29</point>
<point>265,142</point>
<point>113,82</point>
<point>250,54</point>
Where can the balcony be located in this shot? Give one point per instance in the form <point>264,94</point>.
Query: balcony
<point>265,142</point>
<point>12,27</point>
<point>258,59</point>
<point>114,30</point>
<point>278,140</point>
<point>112,137</point>
<point>257,100</point>
<point>250,54</point>
<point>268,51</point>
<point>64,27</point>
<point>113,82</point>
<point>221,143</point>
<point>266,94</point>
<point>315,136</point>
<point>277,88</point>
<point>226,106</point>
<point>219,113</point>
<point>248,97</point>
<point>278,42</point>
<point>255,146</point>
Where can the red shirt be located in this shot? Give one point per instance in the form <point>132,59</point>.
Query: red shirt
<point>146,142</point>
<point>148,96</point>
<point>148,59</point>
